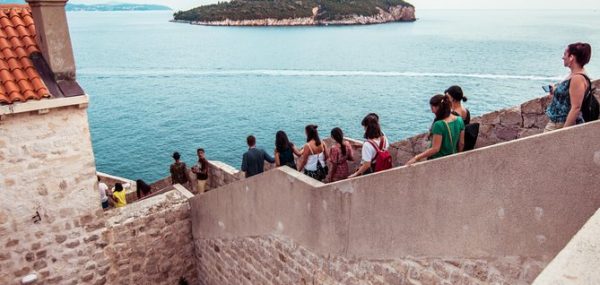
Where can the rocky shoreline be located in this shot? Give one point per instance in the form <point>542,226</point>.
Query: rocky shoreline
<point>393,14</point>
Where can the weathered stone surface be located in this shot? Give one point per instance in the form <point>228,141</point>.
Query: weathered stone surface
<point>55,168</point>
<point>511,117</point>
<point>164,223</point>
<point>506,133</point>
<point>284,262</point>
<point>533,107</point>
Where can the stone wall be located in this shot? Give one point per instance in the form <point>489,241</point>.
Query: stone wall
<point>503,216</point>
<point>50,205</point>
<point>221,174</point>
<point>150,242</point>
<point>278,260</point>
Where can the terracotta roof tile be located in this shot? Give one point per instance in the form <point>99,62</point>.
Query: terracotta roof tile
<point>29,94</point>
<point>4,43</point>
<point>13,63</point>
<point>6,75</point>
<point>9,30</point>
<point>28,41</point>
<point>38,84</point>
<point>20,75</point>
<point>19,79</point>
<point>23,32</point>
<point>21,53</point>
<point>27,63</point>
<point>43,93</point>
<point>5,21</point>
<point>31,73</point>
<point>32,49</point>
<point>17,22</point>
<point>25,85</point>
<point>10,86</point>
<point>16,96</point>
<point>28,20</point>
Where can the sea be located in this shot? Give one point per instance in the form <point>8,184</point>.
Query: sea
<point>157,87</point>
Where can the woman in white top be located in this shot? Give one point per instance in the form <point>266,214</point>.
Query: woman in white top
<point>374,135</point>
<point>314,155</point>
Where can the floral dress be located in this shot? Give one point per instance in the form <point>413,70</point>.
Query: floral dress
<point>336,157</point>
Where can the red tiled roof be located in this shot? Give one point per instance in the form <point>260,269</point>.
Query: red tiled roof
<point>19,80</point>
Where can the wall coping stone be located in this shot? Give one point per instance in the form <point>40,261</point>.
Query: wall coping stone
<point>579,261</point>
<point>44,105</point>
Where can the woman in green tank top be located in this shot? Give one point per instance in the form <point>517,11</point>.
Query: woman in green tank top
<point>448,131</point>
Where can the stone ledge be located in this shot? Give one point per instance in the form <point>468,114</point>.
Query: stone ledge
<point>579,261</point>
<point>43,106</point>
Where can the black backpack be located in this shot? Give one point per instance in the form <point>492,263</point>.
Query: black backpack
<point>471,133</point>
<point>590,109</point>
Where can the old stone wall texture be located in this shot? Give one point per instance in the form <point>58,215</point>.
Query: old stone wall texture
<point>277,260</point>
<point>150,242</point>
<point>50,216</point>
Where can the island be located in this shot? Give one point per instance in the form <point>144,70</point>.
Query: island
<point>298,13</point>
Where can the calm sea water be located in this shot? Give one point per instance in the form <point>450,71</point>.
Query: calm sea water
<point>157,87</point>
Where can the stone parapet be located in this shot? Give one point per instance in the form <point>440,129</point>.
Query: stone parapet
<point>480,206</point>
<point>579,261</point>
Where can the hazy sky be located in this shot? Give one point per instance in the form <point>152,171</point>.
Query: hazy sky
<point>420,4</point>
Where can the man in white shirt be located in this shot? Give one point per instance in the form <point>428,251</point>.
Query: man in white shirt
<point>102,188</point>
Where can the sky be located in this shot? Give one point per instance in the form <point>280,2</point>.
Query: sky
<point>420,4</point>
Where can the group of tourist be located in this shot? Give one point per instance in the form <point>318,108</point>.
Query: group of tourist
<point>325,164</point>
<point>117,196</point>
<point>572,103</point>
<point>180,175</point>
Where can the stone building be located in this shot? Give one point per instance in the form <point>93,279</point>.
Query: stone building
<point>47,165</point>
<point>52,227</point>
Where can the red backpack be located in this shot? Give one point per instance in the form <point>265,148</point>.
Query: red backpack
<point>382,159</point>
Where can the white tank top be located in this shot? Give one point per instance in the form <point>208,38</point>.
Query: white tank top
<point>311,162</point>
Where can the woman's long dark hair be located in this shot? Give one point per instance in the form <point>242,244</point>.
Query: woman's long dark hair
<point>443,104</point>
<point>338,136</point>
<point>312,134</point>
<point>142,187</point>
<point>372,128</point>
<point>282,143</point>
